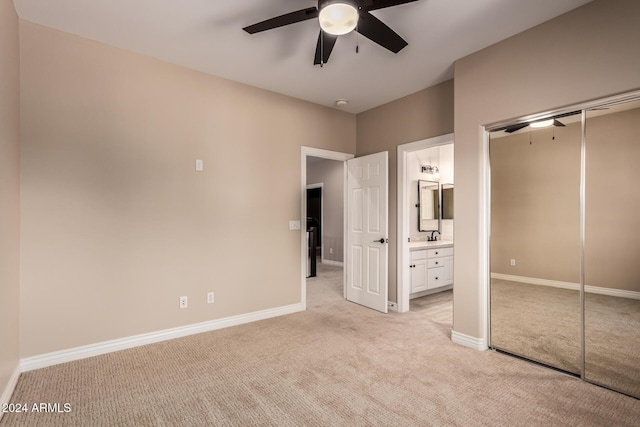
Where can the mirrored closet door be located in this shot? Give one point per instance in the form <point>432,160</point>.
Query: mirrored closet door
<point>565,242</point>
<point>612,247</point>
<point>535,243</point>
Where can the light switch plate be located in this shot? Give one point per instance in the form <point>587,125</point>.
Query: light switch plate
<point>199,165</point>
<point>294,225</point>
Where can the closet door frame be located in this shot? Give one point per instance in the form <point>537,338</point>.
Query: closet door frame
<point>486,283</point>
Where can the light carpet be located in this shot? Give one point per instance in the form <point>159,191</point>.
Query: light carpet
<point>336,364</point>
<point>543,323</point>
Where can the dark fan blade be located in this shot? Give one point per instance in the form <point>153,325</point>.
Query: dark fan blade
<point>282,20</point>
<point>324,47</point>
<point>514,128</point>
<point>378,32</point>
<point>558,123</point>
<point>381,4</point>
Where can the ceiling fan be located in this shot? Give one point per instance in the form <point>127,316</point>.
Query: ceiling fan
<point>338,17</point>
<point>540,123</point>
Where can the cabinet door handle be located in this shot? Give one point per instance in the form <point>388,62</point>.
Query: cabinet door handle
<point>436,278</point>
<point>436,262</point>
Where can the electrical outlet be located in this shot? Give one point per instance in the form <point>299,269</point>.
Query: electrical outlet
<point>183,302</point>
<point>513,262</point>
<point>210,298</point>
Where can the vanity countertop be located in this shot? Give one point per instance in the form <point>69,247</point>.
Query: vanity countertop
<point>415,246</point>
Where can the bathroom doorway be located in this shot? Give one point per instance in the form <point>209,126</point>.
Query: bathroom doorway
<point>412,168</point>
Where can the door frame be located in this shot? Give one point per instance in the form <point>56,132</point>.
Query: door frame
<point>329,155</point>
<point>403,218</point>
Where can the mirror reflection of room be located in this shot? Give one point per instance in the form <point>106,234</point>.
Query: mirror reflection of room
<point>535,241</point>
<point>428,205</point>
<point>612,248</point>
<point>565,276</point>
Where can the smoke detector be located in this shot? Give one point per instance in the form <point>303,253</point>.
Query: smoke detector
<point>340,103</point>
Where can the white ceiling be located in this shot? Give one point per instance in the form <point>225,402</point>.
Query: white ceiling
<point>206,35</point>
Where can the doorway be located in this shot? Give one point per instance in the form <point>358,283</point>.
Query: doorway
<point>331,243</point>
<point>404,209</point>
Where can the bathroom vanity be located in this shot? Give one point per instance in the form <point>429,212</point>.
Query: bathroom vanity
<point>431,267</point>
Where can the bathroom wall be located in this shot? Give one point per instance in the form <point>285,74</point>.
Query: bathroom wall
<point>442,157</point>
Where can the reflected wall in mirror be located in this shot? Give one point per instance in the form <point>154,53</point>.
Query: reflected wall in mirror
<point>447,201</point>
<point>428,205</point>
<point>535,245</point>
<point>612,248</point>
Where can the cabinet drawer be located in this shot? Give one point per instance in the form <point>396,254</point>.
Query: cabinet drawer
<point>435,277</point>
<point>435,262</point>
<point>432,253</point>
<point>418,255</point>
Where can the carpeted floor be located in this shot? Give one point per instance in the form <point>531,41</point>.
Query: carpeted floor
<point>543,323</point>
<point>336,364</point>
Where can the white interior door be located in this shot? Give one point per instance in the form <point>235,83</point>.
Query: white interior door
<point>367,257</point>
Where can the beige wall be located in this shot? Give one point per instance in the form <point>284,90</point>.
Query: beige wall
<point>117,225</point>
<point>9,192</point>
<point>612,201</point>
<point>535,204</point>
<point>423,115</point>
<point>331,174</point>
<point>585,54</point>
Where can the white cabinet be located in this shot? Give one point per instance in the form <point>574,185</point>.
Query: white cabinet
<point>418,268</point>
<point>431,268</point>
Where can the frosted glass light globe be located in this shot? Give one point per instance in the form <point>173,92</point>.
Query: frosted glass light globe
<point>338,18</point>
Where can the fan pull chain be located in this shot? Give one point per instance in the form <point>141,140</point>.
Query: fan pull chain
<point>357,40</point>
<point>321,49</point>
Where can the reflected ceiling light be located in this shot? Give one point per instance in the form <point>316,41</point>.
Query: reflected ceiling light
<point>542,123</point>
<point>338,17</point>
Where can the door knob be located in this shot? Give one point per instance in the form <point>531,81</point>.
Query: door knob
<point>381,240</point>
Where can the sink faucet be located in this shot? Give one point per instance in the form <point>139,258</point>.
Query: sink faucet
<point>434,238</point>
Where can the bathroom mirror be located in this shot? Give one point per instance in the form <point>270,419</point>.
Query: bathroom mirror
<point>447,201</point>
<point>428,205</point>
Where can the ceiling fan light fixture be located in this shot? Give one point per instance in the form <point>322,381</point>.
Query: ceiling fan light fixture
<point>338,18</point>
<point>542,123</point>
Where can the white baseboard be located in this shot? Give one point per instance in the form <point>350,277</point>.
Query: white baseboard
<point>333,263</point>
<point>77,353</point>
<point>430,292</point>
<point>468,341</point>
<point>568,285</point>
<point>8,390</point>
